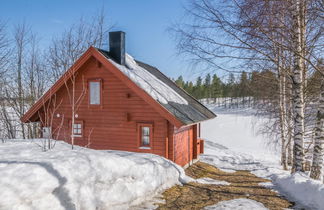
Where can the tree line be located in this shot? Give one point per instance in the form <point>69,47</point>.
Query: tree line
<point>213,87</point>
<point>282,41</point>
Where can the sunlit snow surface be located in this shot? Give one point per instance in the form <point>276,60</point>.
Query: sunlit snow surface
<point>81,178</point>
<point>231,144</point>
<point>148,82</point>
<point>91,179</point>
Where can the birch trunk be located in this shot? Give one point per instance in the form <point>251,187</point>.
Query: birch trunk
<point>73,111</point>
<point>282,104</point>
<point>298,91</point>
<point>317,166</point>
<point>290,122</point>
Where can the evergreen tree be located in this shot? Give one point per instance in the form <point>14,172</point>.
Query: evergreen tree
<point>197,90</point>
<point>216,87</point>
<point>244,85</point>
<point>207,87</point>
<point>180,82</point>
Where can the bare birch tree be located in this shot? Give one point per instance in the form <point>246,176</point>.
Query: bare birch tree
<point>318,153</point>
<point>75,99</point>
<point>67,48</point>
<point>298,88</point>
<point>282,36</point>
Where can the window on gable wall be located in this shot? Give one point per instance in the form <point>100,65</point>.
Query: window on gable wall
<point>95,95</point>
<point>77,129</point>
<point>145,135</point>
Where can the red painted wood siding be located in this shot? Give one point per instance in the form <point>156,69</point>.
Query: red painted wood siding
<point>114,122</point>
<point>183,145</point>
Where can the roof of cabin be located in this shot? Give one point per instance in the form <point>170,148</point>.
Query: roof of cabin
<point>173,98</point>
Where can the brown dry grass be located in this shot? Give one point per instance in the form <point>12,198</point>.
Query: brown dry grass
<point>243,185</point>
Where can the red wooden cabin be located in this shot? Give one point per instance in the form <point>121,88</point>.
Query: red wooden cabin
<point>121,104</point>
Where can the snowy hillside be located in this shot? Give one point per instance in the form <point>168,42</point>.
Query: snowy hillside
<point>80,179</point>
<point>232,144</point>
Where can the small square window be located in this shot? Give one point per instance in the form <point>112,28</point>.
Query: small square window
<point>77,129</point>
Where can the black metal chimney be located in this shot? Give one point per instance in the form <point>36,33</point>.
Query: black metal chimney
<point>117,46</point>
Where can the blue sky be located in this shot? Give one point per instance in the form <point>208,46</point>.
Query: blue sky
<point>144,21</point>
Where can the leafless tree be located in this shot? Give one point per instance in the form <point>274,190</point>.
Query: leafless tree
<point>283,36</point>
<point>67,48</point>
<point>49,128</point>
<point>75,98</point>
<point>318,153</point>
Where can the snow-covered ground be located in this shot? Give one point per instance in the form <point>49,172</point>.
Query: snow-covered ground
<point>88,179</point>
<point>238,130</point>
<point>232,143</point>
<point>81,178</point>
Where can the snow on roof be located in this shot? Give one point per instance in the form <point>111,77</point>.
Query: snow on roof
<point>148,82</point>
<point>174,99</point>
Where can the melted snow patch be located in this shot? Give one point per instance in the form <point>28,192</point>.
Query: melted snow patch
<point>211,181</point>
<point>237,204</point>
<point>266,184</point>
<point>148,82</point>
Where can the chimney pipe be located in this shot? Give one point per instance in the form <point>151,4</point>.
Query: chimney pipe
<point>117,46</point>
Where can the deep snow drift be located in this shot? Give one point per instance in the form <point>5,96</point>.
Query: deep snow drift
<point>81,178</point>
<point>232,144</point>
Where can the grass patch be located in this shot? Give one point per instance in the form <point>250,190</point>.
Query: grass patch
<point>243,184</point>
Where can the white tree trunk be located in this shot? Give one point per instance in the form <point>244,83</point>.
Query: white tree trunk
<point>73,111</point>
<point>298,92</point>
<point>318,153</point>
<point>283,111</point>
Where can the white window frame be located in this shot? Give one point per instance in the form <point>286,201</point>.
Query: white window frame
<point>78,127</point>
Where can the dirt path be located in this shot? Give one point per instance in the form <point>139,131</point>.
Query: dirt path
<point>243,184</point>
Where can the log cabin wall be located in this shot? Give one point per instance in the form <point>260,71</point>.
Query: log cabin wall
<point>113,123</point>
<point>183,145</point>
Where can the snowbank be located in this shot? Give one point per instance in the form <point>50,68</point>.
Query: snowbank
<point>301,188</point>
<point>148,82</point>
<point>80,179</point>
<point>237,204</point>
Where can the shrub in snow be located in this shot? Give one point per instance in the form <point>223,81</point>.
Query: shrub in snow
<point>80,179</point>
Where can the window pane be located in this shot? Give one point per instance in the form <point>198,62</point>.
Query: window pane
<point>145,131</point>
<point>77,128</point>
<point>145,136</point>
<point>94,92</point>
<point>145,140</point>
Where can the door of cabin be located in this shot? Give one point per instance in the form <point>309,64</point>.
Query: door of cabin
<point>183,145</point>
